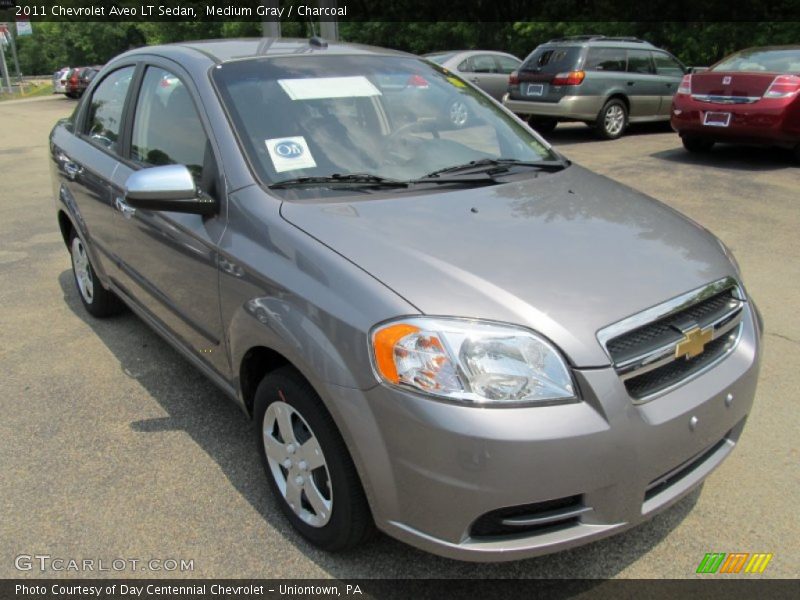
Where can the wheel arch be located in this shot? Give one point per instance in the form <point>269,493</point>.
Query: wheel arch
<point>65,226</point>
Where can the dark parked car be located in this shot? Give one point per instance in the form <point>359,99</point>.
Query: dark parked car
<point>79,79</point>
<point>450,333</point>
<point>606,82</point>
<point>750,97</point>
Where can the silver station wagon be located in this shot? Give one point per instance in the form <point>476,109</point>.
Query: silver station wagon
<point>445,331</point>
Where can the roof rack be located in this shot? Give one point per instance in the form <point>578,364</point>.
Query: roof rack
<point>591,38</point>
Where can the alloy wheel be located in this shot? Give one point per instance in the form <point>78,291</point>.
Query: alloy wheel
<point>83,271</point>
<point>297,464</point>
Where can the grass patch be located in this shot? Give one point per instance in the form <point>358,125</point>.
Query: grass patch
<point>30,91</point>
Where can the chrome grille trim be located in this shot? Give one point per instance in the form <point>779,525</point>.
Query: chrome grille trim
<point>725,99</point>
<point>727,324</point>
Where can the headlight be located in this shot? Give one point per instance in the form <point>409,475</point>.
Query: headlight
<point>471,361</point>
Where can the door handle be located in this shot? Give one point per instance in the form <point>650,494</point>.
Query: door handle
<point>473,79</point>
<point>126,209</point>
<point>71,168</point>
<point>631,82</point>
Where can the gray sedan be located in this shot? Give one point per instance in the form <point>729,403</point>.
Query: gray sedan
<point>487,69</point>
<point>445,331</point>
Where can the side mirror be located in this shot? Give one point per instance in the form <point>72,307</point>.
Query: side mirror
<point>168,188</point>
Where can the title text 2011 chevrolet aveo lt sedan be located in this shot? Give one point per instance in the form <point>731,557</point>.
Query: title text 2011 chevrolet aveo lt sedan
<point>445,330</point>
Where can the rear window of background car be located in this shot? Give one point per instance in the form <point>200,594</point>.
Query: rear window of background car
<point>605,59</point>
<point>552,59</point>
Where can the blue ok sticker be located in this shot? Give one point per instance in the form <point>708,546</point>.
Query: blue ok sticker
<point>290,153</point>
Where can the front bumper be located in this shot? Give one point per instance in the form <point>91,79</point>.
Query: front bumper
<point>580,108</point>
<point>431,469</point>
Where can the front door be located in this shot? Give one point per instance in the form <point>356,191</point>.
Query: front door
<point>168,259</point>
<point>644,91</point>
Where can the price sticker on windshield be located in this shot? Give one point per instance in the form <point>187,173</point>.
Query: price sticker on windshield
<point>290,153</point>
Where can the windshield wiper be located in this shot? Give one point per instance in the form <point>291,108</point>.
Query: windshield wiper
<point>350,178</point>
<point>497,165</point>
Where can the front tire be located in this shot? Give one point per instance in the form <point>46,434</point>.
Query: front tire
<point>308,467</point>
<point>98,301</point>
<point>612,120</point>
<point>697,145</point>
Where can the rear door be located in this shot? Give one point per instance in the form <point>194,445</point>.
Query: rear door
<point>169,260</point>
<point>87,164</point>
<point>668,73</point>
<point>643,89</point>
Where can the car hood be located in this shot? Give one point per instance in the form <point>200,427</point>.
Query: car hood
<point>565,254</point>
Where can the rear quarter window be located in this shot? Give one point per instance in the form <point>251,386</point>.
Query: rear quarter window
<point>552,59</point>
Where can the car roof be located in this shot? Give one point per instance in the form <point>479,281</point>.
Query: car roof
<point>600,40</point>
<point>226,50</point>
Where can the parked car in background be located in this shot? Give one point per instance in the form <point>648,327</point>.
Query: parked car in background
<point>453,334</point>
<point>750,97</point>
<point>606,82</point>
<point>72,83</point>
<point>79,79</point>
<point>60,81</point>
<point>487,69</point>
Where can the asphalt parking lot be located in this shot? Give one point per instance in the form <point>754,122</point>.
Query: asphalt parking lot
<point>112,445</point>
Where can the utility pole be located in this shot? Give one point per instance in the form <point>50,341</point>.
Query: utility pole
<point>328,26</point>
<point>271,28</point>
<point>14,54</point>
<point>3,30</point>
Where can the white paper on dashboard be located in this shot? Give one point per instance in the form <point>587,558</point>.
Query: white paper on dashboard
<point>328,87</point>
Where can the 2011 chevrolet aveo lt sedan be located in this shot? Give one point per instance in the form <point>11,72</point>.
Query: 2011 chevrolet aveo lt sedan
<point>442,329</point>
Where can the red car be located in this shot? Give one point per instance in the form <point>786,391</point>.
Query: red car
<point>750,97</point>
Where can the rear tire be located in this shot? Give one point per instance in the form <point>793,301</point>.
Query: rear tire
<point>697,145</point>
<point>612,121</point>
<point>797,154</point>
<point>326,502</point>
<point>98,301</point>
<point>542,125</point>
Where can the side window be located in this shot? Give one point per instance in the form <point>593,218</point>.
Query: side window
<point>104,120</point>
<point>465,66</point>
<point>166,127</point>
<point>666,65</point>
<point>507,64</point>
<point>605,59</point>
<point>639,62</point>
<point>483,63</point>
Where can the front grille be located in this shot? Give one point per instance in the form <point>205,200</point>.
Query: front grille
<point>664,331</point>
<point>536,518</point>
<point>671,343</point>
<point>661,378</point>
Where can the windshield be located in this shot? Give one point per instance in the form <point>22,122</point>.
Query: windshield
<point>391,117</point>
<point>772,61</point>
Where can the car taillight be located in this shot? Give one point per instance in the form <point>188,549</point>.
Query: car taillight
<point>513,79</point>
<point>571,78</point>
<point>783,86</point>
<point>686,85</point>
<point>417,81</point>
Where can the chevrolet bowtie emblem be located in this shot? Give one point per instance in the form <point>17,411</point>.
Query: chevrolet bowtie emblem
<point>693,342</point>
